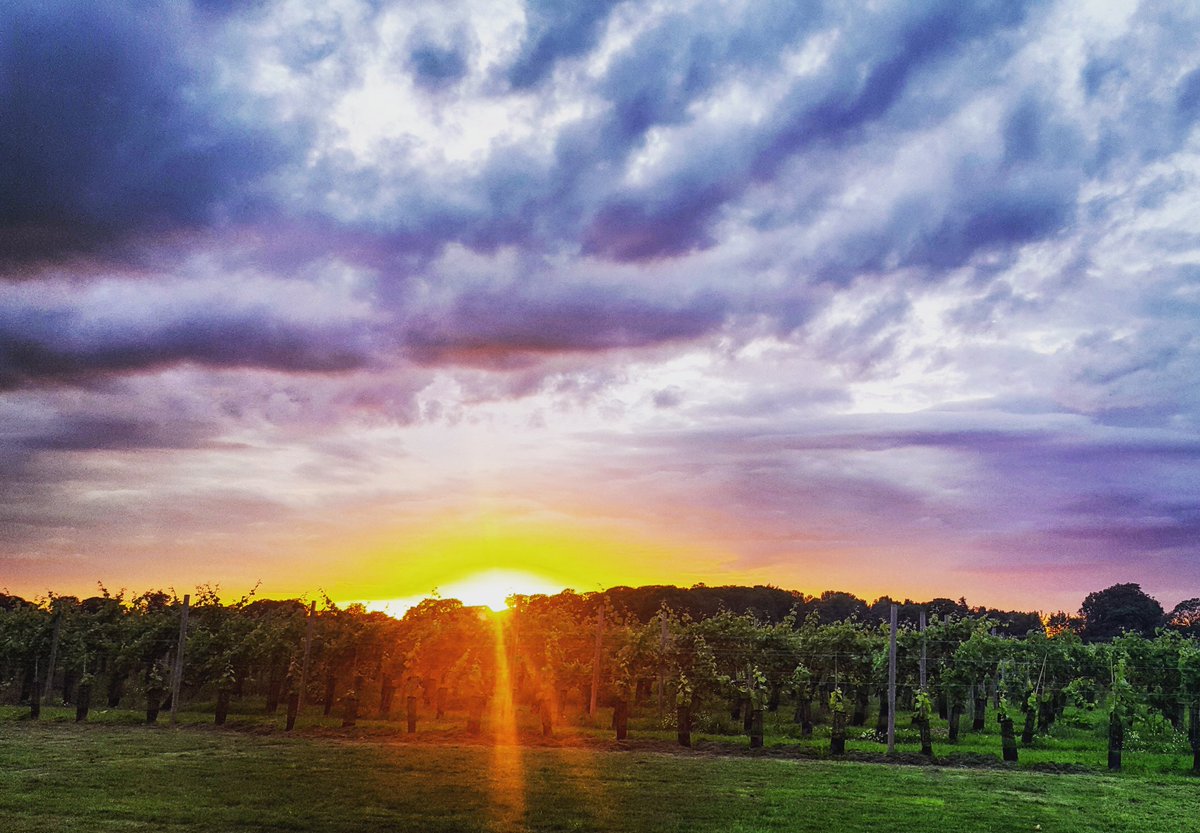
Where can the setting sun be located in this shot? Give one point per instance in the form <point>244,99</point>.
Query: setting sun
<point>483,558</point>
<point>488,588</point>
<point>492,587</point>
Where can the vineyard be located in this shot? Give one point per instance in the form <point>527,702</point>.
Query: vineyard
<point>947,684</point>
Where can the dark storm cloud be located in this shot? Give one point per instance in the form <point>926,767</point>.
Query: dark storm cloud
<point>557,30</point>
<point>109,132</point>
<point>501,329</point>
<point>73,345</point>
<point>119,131</point>
<point>81,432</point>
<point>575,198</point>
<point>684,58</point>
<point>846,102</point>
<point>437,63</point>
<point>889,74</point>
<point>863,83</point>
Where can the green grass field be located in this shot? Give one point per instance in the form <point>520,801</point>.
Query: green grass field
<point>115,775</point>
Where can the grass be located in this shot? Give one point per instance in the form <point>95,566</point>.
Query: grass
<point>1078,741</point>
<point>115,775</point>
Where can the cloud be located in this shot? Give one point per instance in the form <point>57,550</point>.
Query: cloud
<point>436,64</point>
<point>92,433</point>
<point>111,132</point>
<point>909,282</point>
<point>500,328</point>
<point>556,31</point>
<point>875,66</point>
<point>116,328</point>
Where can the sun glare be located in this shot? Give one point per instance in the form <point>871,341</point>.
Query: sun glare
<point>487,588</point>
<point>492,587</point>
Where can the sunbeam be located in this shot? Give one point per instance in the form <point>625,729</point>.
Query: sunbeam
<point>507,775</point>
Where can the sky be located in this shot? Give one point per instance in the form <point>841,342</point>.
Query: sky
<point>364,297</point>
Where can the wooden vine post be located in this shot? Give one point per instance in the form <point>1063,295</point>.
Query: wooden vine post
<point>54,637</point>
<point>662,671</point>
<point>593,703</point>
<point>891,697</point>
<point>923,646</point>
<point>177,672</point>
<point>308,637</point>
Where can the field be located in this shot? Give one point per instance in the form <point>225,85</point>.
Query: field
<point>115,775</point>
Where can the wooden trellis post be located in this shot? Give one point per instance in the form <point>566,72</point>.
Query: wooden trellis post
<point>596,663</point>
<point>891,724</point>
<point>308,635</point>
<point>177,674</point>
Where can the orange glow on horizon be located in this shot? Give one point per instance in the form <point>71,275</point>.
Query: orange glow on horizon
<point>482,560</point>
<point>489,588</point>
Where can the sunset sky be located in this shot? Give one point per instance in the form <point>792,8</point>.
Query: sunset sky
<point>368,297</point>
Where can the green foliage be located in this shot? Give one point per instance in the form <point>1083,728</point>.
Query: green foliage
<point>548,646</point>
<point>800,683</point>
<point>1081,692</point>
<point>837,701</point>
<point>754,686</point>
<point>1189,670</point>
<point>922,705</point>
<point>1122,698</point>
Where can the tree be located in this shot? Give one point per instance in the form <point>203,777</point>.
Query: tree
<point>1060,622</point>
<point>836,606</point>
<point>1114,610</point>
<point>1185,618</point>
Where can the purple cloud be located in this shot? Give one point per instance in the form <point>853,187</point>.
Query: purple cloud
<point>496,329</point>
<point>557,31</point>
<point>110,133</point>
<point>914,283</point>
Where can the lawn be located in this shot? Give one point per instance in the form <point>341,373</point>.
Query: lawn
<point>114,775</point>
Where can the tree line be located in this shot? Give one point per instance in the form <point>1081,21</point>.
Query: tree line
<point>699,657</point>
